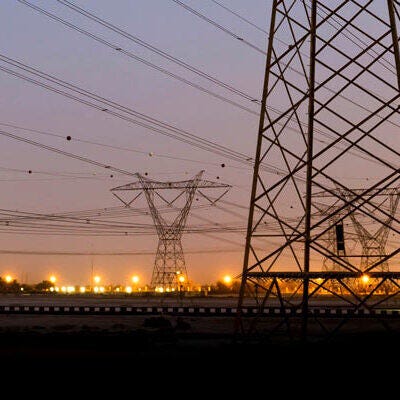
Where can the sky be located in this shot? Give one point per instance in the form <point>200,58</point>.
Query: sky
<point>59,184</point>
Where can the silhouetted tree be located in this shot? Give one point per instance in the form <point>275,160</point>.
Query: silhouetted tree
<point>9,287</point>
<point>222,288</point>
<point>43,286</point>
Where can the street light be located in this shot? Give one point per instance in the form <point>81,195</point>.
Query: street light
<point>365,279</point>
<point>135,279</point>
<point>96,279</point>
<point>8,278</point>
<point>53,279</point>
<point>227,279</point>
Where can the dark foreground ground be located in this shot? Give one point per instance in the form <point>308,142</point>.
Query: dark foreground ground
<point>168,364</point>
<point>167,350</point>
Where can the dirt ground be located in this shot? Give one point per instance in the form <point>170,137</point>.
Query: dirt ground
<point>101,342</point>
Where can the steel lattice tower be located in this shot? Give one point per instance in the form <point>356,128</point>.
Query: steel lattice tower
<point>329,118</point>
<point>169,263</point>
<point>332,240</point>
<point>373,242</point>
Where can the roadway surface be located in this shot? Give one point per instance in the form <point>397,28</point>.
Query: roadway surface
<point>173,306</point>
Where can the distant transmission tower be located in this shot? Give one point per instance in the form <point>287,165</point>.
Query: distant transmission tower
<point>374,242</point>
<point>334,237</point>
<point>169,271</point>
<point>372,238</point>
<point>329,118</point>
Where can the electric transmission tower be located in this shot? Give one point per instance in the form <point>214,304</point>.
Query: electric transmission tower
<point>334,237</point>
<point>372,237</point>
<point>169,271</point>
<point>329,118</point>
<point>373,243</point>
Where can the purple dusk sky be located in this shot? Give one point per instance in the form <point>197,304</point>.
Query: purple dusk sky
<point>60,184</point>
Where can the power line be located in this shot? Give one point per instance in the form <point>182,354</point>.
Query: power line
<point>81,230</point>
<point>232,34</point>
<point>64,175</point>
<point>114,47</point>
<point>171,131</point>
<point>129,36</point>
<point>84,159</point>
<point>150,122</point>
<point>157,51</point>
<point>240,17</point>
<point>114,253</point>
<point>358,150</point>
<point>105,145</point>
<point>139,59</point>
<point>220,27</point>
<point>269,168</point>
<point>93,220</point>
<point>65,153</point>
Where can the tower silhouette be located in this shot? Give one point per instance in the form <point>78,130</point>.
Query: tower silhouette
<point>169,271</point>
<point>329,118</point>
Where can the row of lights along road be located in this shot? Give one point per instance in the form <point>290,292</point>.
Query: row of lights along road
<point>227,279</point>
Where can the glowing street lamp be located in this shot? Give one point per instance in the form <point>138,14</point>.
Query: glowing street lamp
<point>227,279</point>
<point>97,279</point>
<point>135,279</point>
<point>53,279</point>
<point>8,278</point>
<point>181,279</point>
<point>365,279</point>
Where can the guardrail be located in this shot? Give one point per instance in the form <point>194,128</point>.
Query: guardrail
<point>336,312</point>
